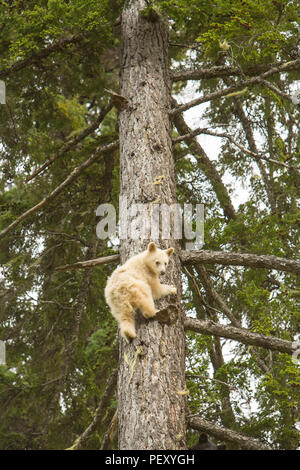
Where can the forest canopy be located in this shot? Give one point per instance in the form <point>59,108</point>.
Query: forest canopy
<point>234,69</point>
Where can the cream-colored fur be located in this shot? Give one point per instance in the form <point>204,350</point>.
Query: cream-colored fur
<point>136,285</point>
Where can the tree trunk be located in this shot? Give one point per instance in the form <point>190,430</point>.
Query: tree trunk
<point>151,381</point>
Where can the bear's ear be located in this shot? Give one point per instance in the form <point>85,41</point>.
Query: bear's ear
<point>170,251</point>
<point>151,247</point>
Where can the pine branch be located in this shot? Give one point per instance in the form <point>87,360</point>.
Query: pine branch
<point>239,334</point>
<point>225,434</point>
<point>240,259</point>
<point>36,57</point>
<point>69,145</point>
<point>276,90</point>
<point>100,411</point>
<point>75,173</point>
<point>260,155</point>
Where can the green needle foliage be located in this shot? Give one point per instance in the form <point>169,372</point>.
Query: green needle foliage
<point>57,58</point>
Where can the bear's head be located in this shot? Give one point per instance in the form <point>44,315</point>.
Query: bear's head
<point>156,259</point>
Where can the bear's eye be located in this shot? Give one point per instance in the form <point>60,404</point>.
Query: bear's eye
<point>157,263</point>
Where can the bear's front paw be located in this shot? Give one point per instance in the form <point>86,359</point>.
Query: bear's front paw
<point>173,290</point>
<point>149,313</point>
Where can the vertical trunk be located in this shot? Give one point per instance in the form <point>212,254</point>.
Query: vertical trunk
<point>151,380</point>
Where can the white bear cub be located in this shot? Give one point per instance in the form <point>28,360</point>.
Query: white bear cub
<point>136,285</point>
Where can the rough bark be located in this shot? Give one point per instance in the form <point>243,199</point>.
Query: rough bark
<point>239,334</point>
<point>151,381</point>
<point>225,434</point>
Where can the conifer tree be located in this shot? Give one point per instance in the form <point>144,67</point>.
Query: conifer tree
<point>159,102</point>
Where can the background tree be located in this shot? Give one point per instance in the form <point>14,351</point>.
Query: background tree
<point>59,160</point>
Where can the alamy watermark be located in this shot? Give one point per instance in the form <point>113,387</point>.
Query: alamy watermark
<point>295,97</point>
<point>2,353</point>
<point>296,353</point>
<point>153,222</point>
<point>2,92</point>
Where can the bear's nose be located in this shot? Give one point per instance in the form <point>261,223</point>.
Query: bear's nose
<point>163,272</point>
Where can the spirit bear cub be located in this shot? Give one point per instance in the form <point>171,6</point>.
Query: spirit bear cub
<point>135,285</point>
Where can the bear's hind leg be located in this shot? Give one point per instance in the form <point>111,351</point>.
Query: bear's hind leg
<point>125,318</point>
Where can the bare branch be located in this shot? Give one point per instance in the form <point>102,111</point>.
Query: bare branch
<point>212,96</point>
<point>201,271</point>
<point>225,434</point>
<point>218,300</point>
<point>119,101</point>
<point>198,74</point>
<point>227,71</point>
<point>75,173</point>
<point>276,90</point>
<point>110,433</point>
<point>90,263</point>
<point>239,334</point>
<point>199,376</point>
<point>189,136</point>
<point>233,88</point>
<point>215,296</point>
<point>240,259</point>
<point>209,257</point>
